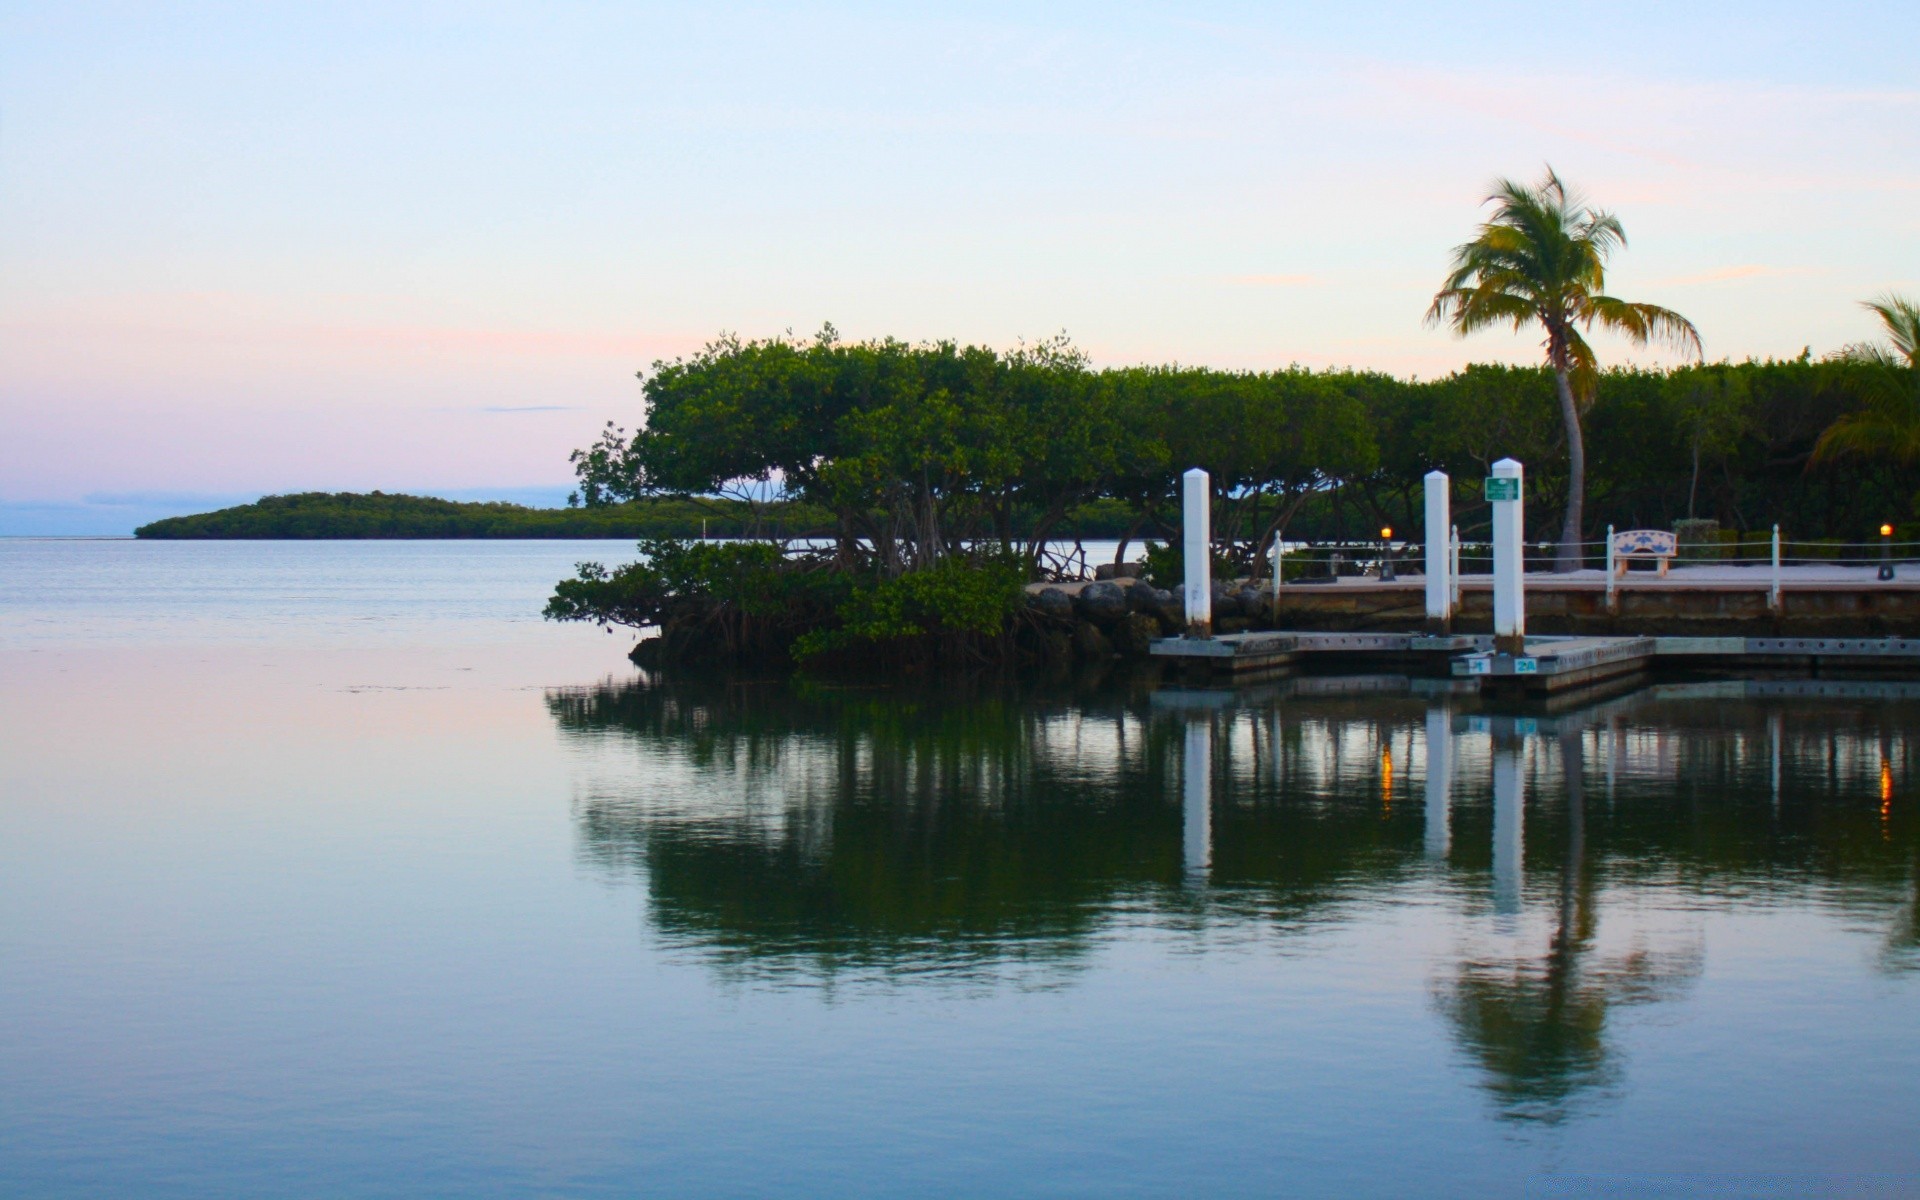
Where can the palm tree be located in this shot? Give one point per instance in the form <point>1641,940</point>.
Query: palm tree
<point>1887,382</point>
<point>1541,257</point>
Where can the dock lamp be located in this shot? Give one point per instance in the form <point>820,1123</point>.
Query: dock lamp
<point>1386,553</point>
<point>1886,553</point>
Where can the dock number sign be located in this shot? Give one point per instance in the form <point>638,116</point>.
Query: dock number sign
<point>1502,488</point>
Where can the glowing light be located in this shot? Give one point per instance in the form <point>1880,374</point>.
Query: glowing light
<point>1386,531</point>
<point>1886,531</point>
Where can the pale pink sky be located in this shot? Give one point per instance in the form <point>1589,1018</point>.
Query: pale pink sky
<point>248,249</point>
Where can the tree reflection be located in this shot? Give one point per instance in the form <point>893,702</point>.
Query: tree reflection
<point>1537,1026</point>
<point>826,835</point>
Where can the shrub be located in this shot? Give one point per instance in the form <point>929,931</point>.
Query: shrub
<point>950,607</point>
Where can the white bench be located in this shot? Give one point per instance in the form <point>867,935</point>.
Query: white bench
<point>1643,543</point>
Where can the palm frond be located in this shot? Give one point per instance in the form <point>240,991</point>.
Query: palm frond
<point>1642,323</point>
<point>1901,316</point>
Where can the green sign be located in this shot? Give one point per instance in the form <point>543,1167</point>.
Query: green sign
<point>1502,488</point>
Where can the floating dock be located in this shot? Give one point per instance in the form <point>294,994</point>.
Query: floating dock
<point>1551,663</point>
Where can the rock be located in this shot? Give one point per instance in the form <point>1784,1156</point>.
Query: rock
<point>1226,603</point>
<point>1053,602</point>
<point>1125,570</point>
<point>1144,597</point>
<point>1135,636</point>
<point>1089,644</point>
<point>1103,603</point>
<point>1253,603</point>
<point>1231,625</point>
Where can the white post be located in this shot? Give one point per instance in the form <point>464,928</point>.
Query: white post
<point>1453,567</point>
<point>1196,499</point>
<point>1439,781</point>
<point>1279,562</point>
<point>1611,565</point>
<point>1509,559</point>
<point>1509,816</point>
<point>1773,594</point>
<point>1439,521</point>
<point>1196,799</point>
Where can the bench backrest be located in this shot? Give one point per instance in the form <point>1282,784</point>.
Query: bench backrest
<point>1645,541</point>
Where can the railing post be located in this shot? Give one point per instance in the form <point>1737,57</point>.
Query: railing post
<point>1453,571</point>
<point>1439,576</point>
<point>1197,549</point>
<point>1279,564</point>
<point>1509,558</point>
<point>1613,602</point>
<point>1773,592</point>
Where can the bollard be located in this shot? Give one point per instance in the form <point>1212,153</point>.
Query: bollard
<point>1279,570</point>
<point>1197,548</point>
<point>1439,553</point>
<point>1509,558</point>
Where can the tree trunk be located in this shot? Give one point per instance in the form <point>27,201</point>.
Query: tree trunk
<point>1569,556</point>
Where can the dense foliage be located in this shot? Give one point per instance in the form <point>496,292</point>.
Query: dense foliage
<point>939,472</point>
<point>917,453</point>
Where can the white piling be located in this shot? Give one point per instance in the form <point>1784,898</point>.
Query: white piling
<point>1509,816</point>
<point>1197,548</point>
<point>1196,799</point>
<point>1509,558</point>
<point>1439,554</point>
<point>1279,565</point>
<point>1439,782</point>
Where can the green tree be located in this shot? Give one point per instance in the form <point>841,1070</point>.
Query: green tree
<point>1886,381</point>
<point>1541,258</point>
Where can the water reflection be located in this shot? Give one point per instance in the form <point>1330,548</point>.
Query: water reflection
<point>837,835</point>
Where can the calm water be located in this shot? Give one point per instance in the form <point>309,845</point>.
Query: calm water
<point>330,870</point>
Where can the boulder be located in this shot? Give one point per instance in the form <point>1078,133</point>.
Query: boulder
<point>1089,644</point>
<point>1253,602</point>
<point>1226,602</point>
<point>1125,570</point>
<point>1146,598</point>
<point>1103,603</point>
<point>1053,602</point>
<point>1135,636</point>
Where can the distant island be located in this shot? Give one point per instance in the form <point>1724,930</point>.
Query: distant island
<point>349,515</point>
<point>363,515</point>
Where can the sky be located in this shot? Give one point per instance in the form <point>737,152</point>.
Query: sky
<point>250,248</point>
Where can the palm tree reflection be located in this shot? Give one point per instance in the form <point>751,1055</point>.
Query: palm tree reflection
<point>1537,1026</point>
